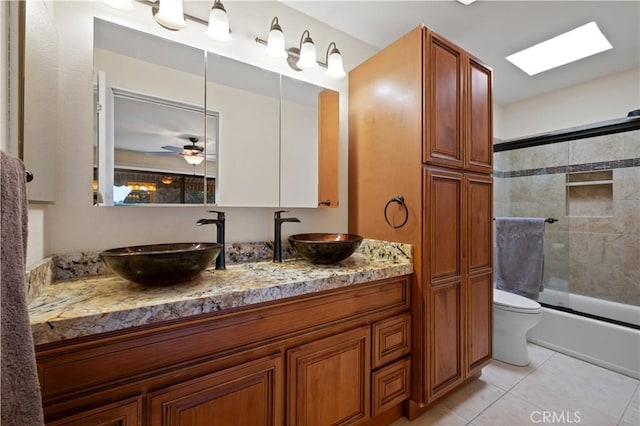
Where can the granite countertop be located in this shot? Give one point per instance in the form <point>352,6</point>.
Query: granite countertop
<point>92,304</point>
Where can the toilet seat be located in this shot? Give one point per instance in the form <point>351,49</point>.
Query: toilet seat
<point>514,302</point>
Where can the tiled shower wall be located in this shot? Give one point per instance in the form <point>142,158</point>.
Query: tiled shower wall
<point>592,186</point>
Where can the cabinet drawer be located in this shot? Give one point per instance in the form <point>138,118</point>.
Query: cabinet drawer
<point>391,385</point>
<point>391,339</point>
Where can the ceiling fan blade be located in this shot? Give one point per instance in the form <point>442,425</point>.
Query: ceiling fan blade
<point>175,149</point>
<point>162,154</point>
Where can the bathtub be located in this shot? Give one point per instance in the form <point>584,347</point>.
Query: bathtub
<point>608,345</point>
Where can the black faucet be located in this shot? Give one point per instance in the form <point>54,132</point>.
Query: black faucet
<point>219,235</point>
<point>277,233</point>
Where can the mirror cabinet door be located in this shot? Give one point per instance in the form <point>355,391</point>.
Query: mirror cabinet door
<point>328,144</point>
<point>258,147</point>
<point>247,101</point>
<point>150,120</point>
<point>40,99</point>
<point>299,144</point>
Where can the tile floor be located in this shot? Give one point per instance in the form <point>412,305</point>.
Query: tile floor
<point>552,389</point>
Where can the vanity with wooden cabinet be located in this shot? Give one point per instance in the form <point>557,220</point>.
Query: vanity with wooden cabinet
<point>337,352</point>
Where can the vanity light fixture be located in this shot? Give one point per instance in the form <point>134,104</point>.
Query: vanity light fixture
<point>218,22</point>
<point>275,41</point>
<point>171,15</point>
<point>307,59</point>
<point>302,57</point>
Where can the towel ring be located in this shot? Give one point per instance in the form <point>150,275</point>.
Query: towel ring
<point>400,200</point>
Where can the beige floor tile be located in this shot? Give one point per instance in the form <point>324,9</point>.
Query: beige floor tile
<point>438,415</point>
<point>506,376</point>
<point>473,398</point>
<point>503,375</point>
<point>559,405</point>
<point>592,386</point>
<point>508,411</point>
<point>632,413</point>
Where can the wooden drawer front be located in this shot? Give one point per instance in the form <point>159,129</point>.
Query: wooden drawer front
<point>391,385</point>
<point>80,367</point>
<point>124,413</point>
<point>249,394</point>
<point>391,339</point>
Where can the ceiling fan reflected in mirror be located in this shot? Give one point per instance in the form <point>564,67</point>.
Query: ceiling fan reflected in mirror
<point>193,154</point>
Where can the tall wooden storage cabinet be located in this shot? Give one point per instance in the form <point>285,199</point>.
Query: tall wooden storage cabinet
<point>420,127</point>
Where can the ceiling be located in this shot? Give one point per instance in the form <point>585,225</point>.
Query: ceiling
<point>492,30</point>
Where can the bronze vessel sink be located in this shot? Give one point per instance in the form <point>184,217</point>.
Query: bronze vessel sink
<point>161,264</point>
<point>325,248</point>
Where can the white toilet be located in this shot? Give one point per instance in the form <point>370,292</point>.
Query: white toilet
<point>513,316</point>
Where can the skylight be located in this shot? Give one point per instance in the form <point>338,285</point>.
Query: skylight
<point>576,44</point>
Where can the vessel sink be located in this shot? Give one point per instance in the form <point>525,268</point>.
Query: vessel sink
<point>325,248</point>
<point>161,264</point>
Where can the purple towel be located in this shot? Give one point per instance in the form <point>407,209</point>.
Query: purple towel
<point>519,255</point>
<point>20,390</point>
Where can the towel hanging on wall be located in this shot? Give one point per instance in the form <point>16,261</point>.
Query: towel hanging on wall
<point>21,403</point>
<point>519,255</point>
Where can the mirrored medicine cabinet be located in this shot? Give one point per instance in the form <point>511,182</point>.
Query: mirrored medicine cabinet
<point>176,125</point>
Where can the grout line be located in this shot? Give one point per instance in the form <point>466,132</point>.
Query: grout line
<point>628,404</point>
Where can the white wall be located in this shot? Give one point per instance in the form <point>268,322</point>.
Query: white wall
<point>598,100</point>
<point>72,224</point>
<point>4,77</point>
<point>8,67</point>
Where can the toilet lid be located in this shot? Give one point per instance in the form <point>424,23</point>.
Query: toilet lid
<point>510,300</point>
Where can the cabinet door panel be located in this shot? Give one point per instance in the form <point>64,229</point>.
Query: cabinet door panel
<point>249,394</point>
<point>445,343</point>
<point>479,134</point>
<point>479,321</point>
<point>329,381</point>
<point>443,102</point>
<point>124,413</point>
<point>478,189</point>
<point>442,223</point>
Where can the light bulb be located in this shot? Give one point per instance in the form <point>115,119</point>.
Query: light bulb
<point>171,14</point>
<point>307,54</point>
<point>335,68</point>
<point>218,23</point>
<point>275,42</point>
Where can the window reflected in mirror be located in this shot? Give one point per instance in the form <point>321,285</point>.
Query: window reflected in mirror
<point>134,187</point>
